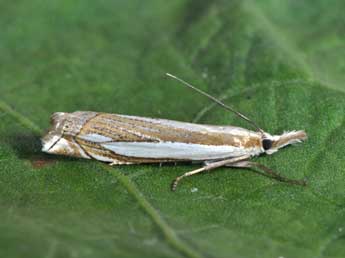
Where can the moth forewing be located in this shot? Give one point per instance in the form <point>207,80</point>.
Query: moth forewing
<point>122,139</point>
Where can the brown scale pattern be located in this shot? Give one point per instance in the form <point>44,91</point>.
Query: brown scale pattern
<point>130,129</point>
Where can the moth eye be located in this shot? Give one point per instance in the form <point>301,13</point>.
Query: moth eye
<point>266,144</point>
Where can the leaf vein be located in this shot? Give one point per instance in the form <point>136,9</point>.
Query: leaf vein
<point>21,119</point>
<point>168,232</point>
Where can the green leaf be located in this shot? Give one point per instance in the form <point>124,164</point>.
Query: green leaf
<point>280,62</point>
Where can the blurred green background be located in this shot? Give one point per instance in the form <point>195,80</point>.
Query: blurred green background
<point>280,62</point>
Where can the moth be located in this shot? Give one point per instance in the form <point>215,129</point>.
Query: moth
<point>122,139</point>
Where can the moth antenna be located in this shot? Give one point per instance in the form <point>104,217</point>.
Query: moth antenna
<point>217,101</point>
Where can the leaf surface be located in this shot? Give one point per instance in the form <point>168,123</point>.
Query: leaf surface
<point>279,62</point>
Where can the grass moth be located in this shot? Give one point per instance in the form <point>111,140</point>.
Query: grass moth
<point>122,139</point>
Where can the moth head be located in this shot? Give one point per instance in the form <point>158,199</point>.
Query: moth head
<point>60,137</point>
<point>272,143</point>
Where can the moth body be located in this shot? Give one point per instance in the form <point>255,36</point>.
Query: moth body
<point>122,139</point>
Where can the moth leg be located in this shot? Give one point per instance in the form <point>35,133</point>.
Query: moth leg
<point>267,171</point>
<point>117,162</point>
<point>208,166</point>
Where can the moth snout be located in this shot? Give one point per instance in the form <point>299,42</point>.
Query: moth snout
<point>288,138</point>
<point>275,142</point>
